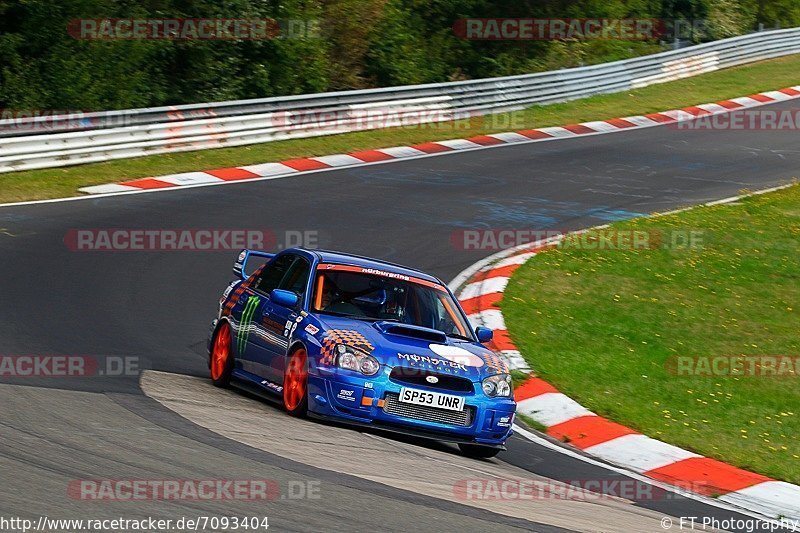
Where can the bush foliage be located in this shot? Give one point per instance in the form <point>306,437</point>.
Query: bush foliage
<point>357,44</point>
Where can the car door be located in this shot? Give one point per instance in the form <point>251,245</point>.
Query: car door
<point>281,321</point>
<point>249,315</point>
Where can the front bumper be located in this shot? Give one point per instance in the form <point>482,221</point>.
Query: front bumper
<point>353,398</point>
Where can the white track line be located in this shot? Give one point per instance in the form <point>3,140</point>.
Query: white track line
<point>546,443</point>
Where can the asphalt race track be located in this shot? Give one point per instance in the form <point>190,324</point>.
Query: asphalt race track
<point>157,306</point>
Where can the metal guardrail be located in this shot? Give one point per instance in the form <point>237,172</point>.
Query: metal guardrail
<point>73,139</point>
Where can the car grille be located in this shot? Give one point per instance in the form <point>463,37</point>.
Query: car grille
<point>394,406</point>
<point>414,376</point>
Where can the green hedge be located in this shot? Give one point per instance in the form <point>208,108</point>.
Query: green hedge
<point>360,43</point>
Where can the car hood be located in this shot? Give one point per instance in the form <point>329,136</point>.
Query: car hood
<point>395,344</point>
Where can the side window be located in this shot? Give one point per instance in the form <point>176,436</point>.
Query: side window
<point>443,320</point>
<point>296,280</point>
<point>273,273</point>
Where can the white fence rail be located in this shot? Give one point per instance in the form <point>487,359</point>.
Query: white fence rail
<point>68,140</point>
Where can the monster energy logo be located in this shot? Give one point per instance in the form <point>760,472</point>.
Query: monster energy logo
<point>247,318</point>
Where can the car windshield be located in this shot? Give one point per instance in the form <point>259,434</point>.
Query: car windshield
<point>370,294</point>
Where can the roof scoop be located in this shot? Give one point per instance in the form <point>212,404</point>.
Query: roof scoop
<point>409,330</point>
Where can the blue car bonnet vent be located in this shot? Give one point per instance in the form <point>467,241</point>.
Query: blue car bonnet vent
<point>408,330</point>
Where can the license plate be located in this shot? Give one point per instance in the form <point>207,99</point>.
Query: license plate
<point>432,399</point>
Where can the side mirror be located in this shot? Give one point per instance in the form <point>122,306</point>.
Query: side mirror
<point>284,298</point>
<point>484,334</point>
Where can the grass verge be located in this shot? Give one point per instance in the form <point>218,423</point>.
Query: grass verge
<point>729,83</point>
<point>607,326</point>
<point>531,422</point>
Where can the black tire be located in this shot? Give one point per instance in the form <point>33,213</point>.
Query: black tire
<point>476,451</point>
<point>221,369</point>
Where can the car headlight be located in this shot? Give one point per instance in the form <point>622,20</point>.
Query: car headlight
<point>354,359</point>
<point>498,386</point>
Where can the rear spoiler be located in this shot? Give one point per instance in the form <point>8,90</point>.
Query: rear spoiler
<point>240,266</point>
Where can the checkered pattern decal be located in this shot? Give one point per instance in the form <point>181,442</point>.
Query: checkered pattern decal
<point>348,337</point>
<point>233,299</point>
<point>494,362</point>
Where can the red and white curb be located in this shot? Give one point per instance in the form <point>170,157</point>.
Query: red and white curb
<point>293,167</point>
<point>480,290</point>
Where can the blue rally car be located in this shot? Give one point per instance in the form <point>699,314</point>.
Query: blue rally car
<point>364,342</point>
